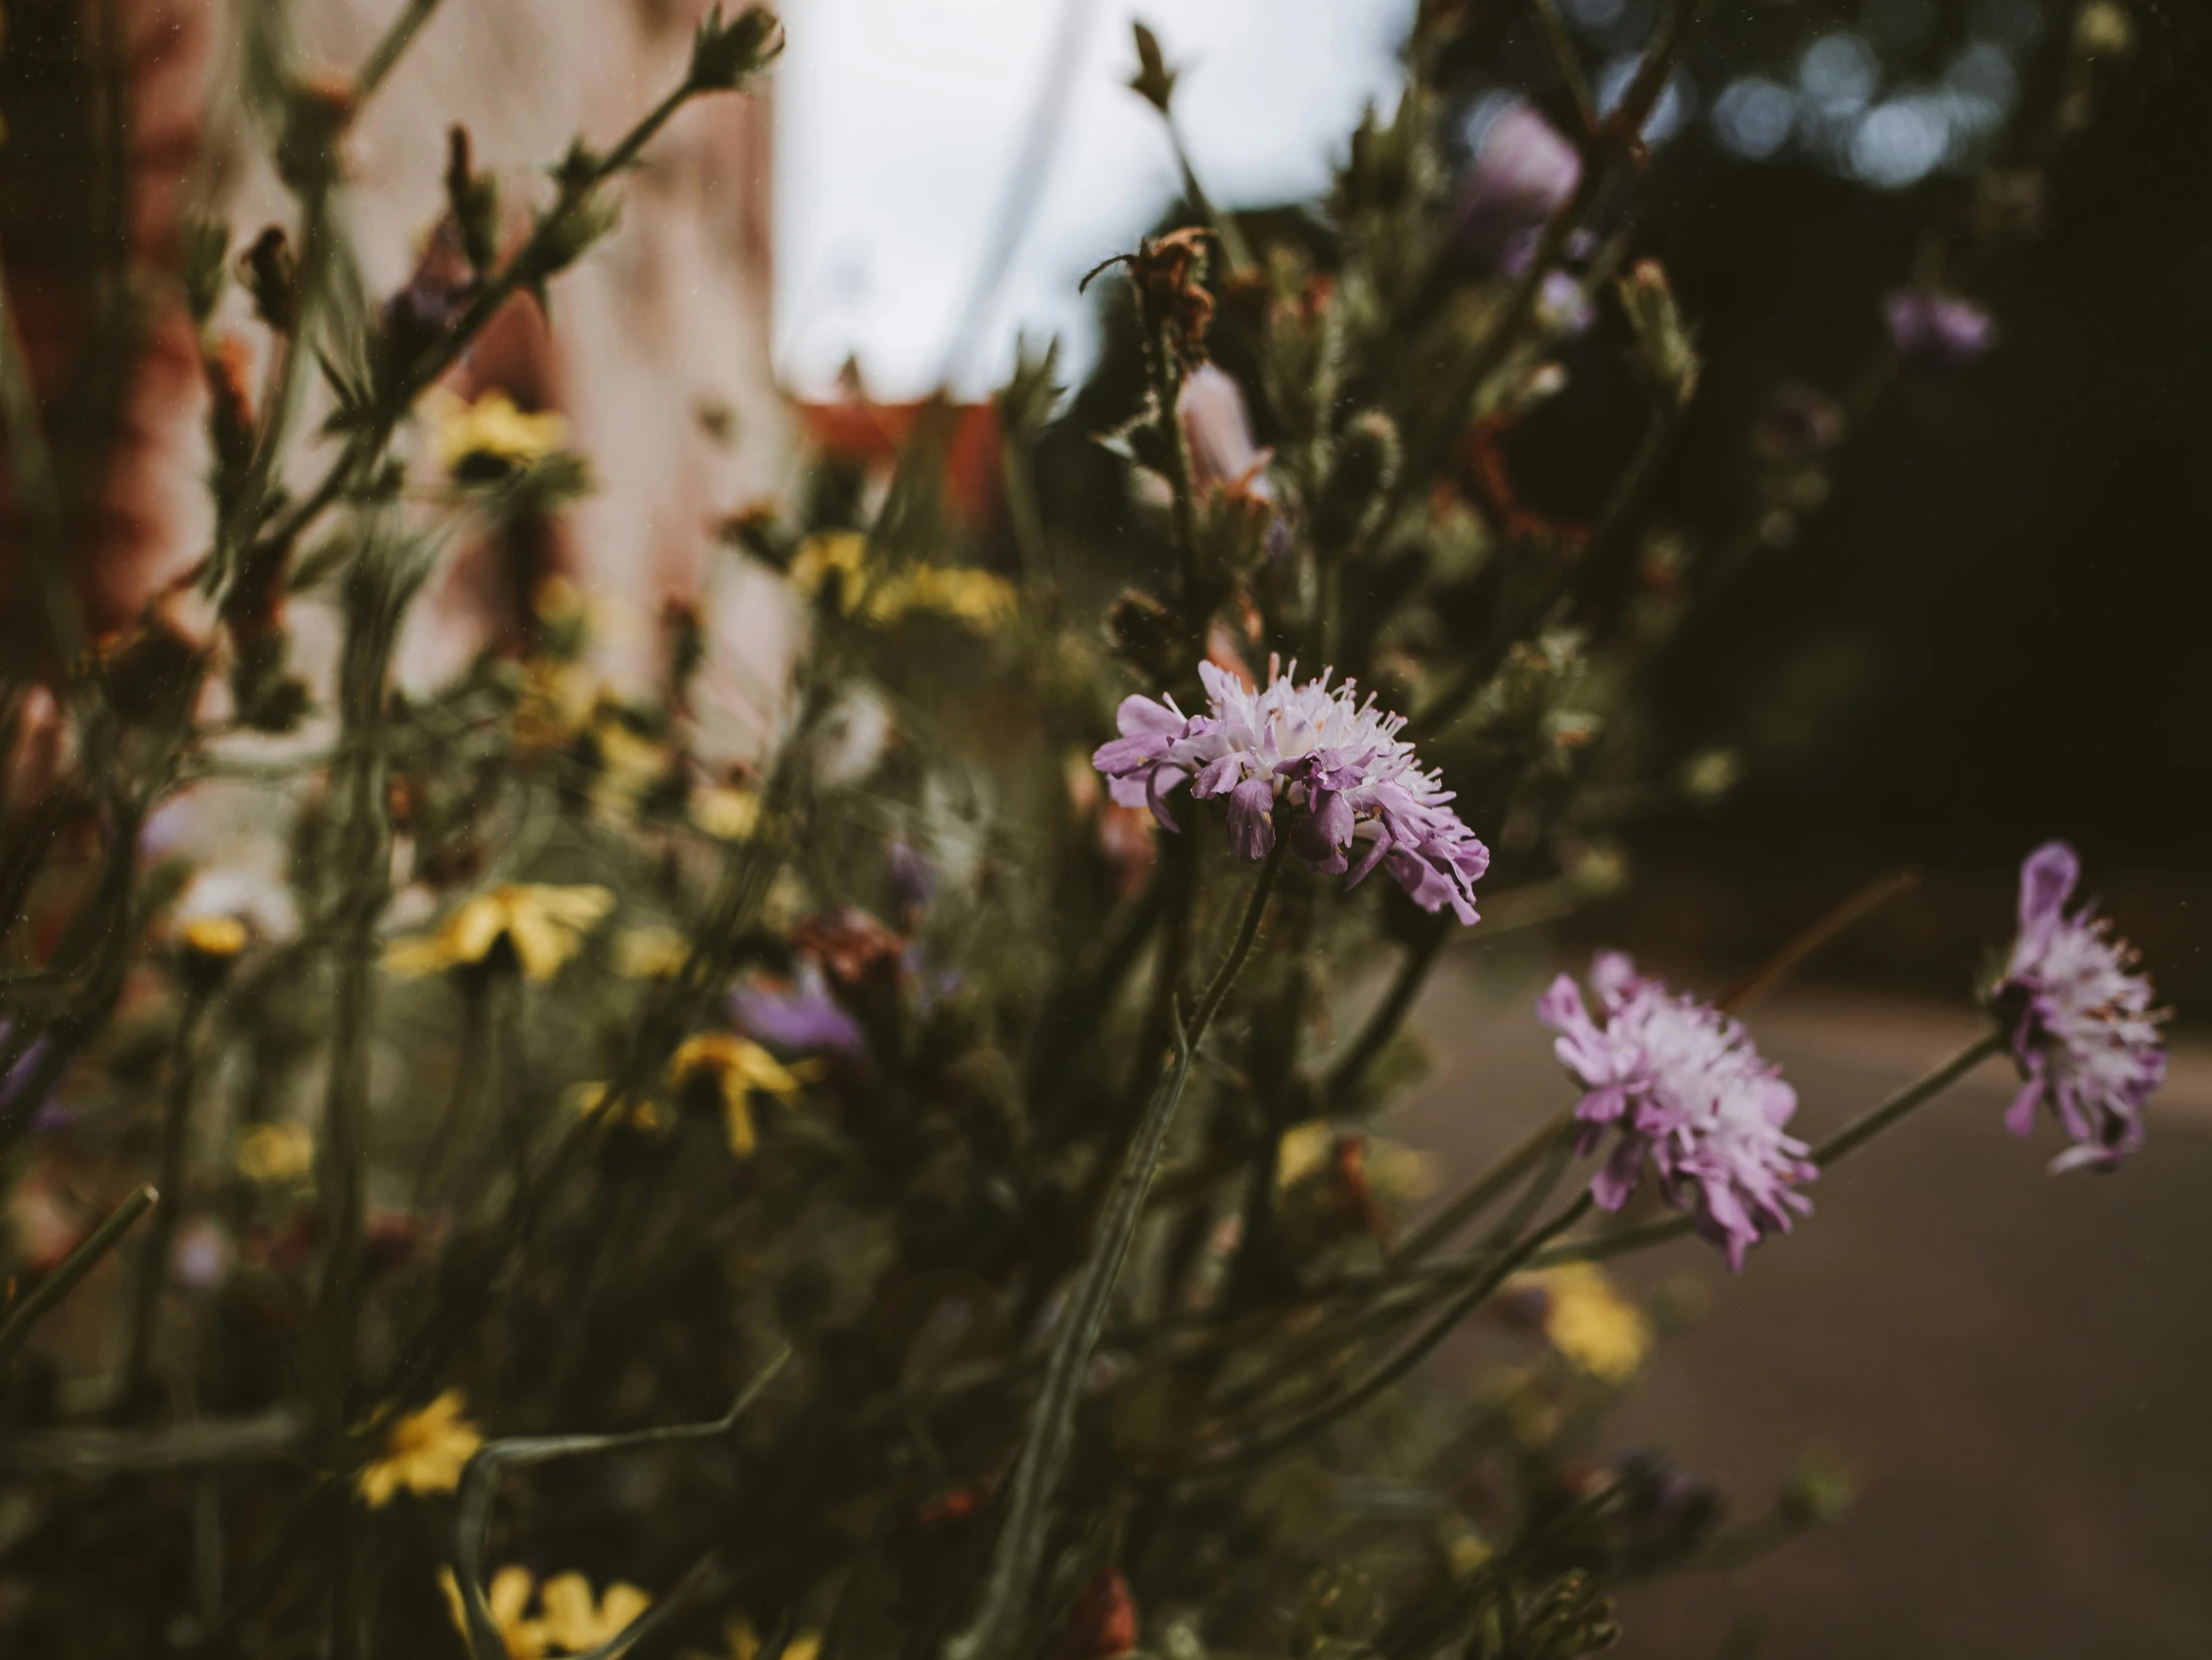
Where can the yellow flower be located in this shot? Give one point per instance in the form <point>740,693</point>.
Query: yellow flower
<point>737,1066</point>
<point>275,1153</point>
<point>575,1622</point>
<point>654,953</point>
<point>544,924</point>
<point>1304,1151</point>
<point>977,598</point>
<point>423,1452</point>
<point>1591,1324</point>
<point>628,765</point>
<point>507,1598</point>
<point>725,814</point>
<point>214,937</point>
<point>839,553</point>
<point>1468,1553</point>
<point>491,432</point>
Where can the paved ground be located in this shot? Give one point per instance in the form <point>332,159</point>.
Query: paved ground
<point>2017,1369</point>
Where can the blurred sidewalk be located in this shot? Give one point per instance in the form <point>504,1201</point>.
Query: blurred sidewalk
<point>2015,1369</point>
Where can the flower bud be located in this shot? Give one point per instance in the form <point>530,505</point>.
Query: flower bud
<point>1663,348</point>
<point>1154,82</point>
<point>271,276</point>
<point>472,199</point>
<point>1365,467</point>
<point>726,55</point>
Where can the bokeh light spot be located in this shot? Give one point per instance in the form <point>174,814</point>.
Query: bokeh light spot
<point>1753,117</point>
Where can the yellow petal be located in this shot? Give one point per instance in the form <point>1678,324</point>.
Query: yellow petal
<point>579,907</point>
<point>216,937</point>
<point>377,1483</point>
<point>621,1603</point>
<point>739,1117</point>
<point>508,1594</point>
<point>540,946</point>
<point>470,932</point>
<point>570,1617</point>
<point>422,954</point>
<point>1304,1150</point>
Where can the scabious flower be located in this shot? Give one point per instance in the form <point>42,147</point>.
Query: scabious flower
<point>423,1452</point>
<point>2078,1023</point>
<point>1363,797</point>
<point>1937,328</point>
<point>1682,1085</point>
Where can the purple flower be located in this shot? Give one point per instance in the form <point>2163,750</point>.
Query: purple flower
<point>1363,797</point>
<point>800,1020</point>
<point>1219,430</point>
<point>1940,329</point>
<point>1523,173</point>
<point>1681,1084</point>
<point>2079,1025</point>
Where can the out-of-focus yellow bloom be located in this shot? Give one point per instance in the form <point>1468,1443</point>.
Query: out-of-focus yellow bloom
<point>1391,1169</point>
<point>628,765</point>
<point>214,937</point>
<point>1591,1324</point>
<point>545,925</point>
<point>806,1646</point>
<point>275,1153</point>
<point>1468,1553</point>
<point>725,814</point>
<point>1304,1150</point>
<point>507,1598</point>
<point>1400,1173</point>
<point>422,1453</point>
<point>654,953</point>
<point>491,432</point>
<point>575,1621</point>
<point>977,598</point>
<point>737,1066</point>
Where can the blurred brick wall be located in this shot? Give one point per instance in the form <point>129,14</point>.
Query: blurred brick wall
<point>658,347</point>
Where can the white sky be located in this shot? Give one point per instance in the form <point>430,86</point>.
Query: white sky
<point>899,122</point>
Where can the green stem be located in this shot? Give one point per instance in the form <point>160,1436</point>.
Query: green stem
<point>1383,1376</point>
<point>153,1264</point>
<point>42,1297</point>
<point>1246,930</point>
<point>1413,973</point>
<point>387,53</point>
<point>1486,1189</point>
